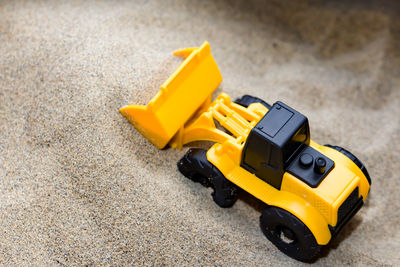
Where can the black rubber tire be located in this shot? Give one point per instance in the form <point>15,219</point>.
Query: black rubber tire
<point>302,245</point>
<point>195,166</point>
<point>246,100</point>
<point>354,159</point>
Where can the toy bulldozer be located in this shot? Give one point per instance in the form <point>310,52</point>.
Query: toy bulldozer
<point>310,191</point>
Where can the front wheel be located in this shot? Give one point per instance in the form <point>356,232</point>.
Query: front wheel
<point>195,166</point>
<point>289,234</point>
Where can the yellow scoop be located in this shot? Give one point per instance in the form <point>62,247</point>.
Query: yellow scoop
<point>180,96</point>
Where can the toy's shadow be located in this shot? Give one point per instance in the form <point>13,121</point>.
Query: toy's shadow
<point>347,230</point>
<point>251,201</point>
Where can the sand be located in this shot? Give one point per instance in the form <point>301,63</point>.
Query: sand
<point>80,186</point>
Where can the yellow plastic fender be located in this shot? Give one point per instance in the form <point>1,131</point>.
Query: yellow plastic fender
<point>180,96</point>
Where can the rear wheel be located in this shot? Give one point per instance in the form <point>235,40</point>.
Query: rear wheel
<point>353,158</point>
<point>289,234</point>
<point>246,100</point>
<point>195,166</point>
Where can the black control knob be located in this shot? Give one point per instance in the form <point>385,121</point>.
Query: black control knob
<point>306,160</point>
<point>320,165</point>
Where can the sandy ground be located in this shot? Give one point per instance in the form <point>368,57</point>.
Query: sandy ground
<point>80,186</point>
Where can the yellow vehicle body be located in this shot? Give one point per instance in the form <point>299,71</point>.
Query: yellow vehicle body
<point>183,112</point>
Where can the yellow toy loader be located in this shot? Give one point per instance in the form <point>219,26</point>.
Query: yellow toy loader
<point>310,191</point>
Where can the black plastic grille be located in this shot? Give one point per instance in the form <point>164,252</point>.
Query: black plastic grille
<point>347,205</point>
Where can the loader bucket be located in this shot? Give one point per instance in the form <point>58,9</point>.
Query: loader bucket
<point>180,96</point>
